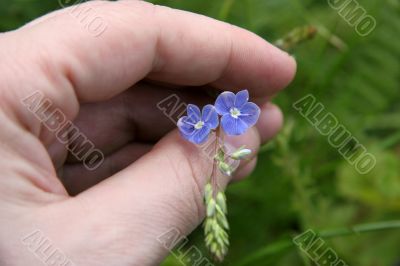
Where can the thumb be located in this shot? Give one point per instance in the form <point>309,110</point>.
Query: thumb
<point>161,191</point>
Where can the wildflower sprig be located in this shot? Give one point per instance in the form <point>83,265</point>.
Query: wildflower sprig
<point>216,223</point>
<point>233,115</point>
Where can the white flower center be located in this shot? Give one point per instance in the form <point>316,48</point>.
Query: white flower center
<point>199,125</point>
<point>235,112</point>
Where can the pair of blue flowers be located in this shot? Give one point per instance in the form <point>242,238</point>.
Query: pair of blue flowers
<point>237,115</point>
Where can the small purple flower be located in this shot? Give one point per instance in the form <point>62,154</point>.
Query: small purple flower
<point>237,113</point>
<point>196,126</point>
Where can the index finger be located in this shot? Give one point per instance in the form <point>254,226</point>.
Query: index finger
<point>143,40</point>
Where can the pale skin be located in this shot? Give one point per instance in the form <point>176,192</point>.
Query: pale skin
<point>151,179</point>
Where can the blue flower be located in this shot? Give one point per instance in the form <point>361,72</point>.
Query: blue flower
<point>237,113</point>
<point>196,126</point>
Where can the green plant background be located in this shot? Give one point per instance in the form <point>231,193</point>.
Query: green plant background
<point>301,182</point>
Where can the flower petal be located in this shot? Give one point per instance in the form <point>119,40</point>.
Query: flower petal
<point>193,113</point>
<point>225,101</point>
<point>200,135</point>
<point>233,126</point>
<point>250,113</point>
<point>210,116</point>
<point>242,97</point>
<point>185,127</point>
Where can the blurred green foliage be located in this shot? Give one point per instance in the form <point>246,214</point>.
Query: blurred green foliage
<point>301,182</point>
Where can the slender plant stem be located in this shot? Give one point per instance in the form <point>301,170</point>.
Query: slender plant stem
<point>283,245</point>
<point>361,228</point>
<point>214,181</point>
<point>225,9</point>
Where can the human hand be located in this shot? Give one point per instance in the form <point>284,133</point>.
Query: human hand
<point>109,86</point>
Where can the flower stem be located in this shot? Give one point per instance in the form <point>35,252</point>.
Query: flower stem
<point>214,181</point>
<point>216,224</point>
